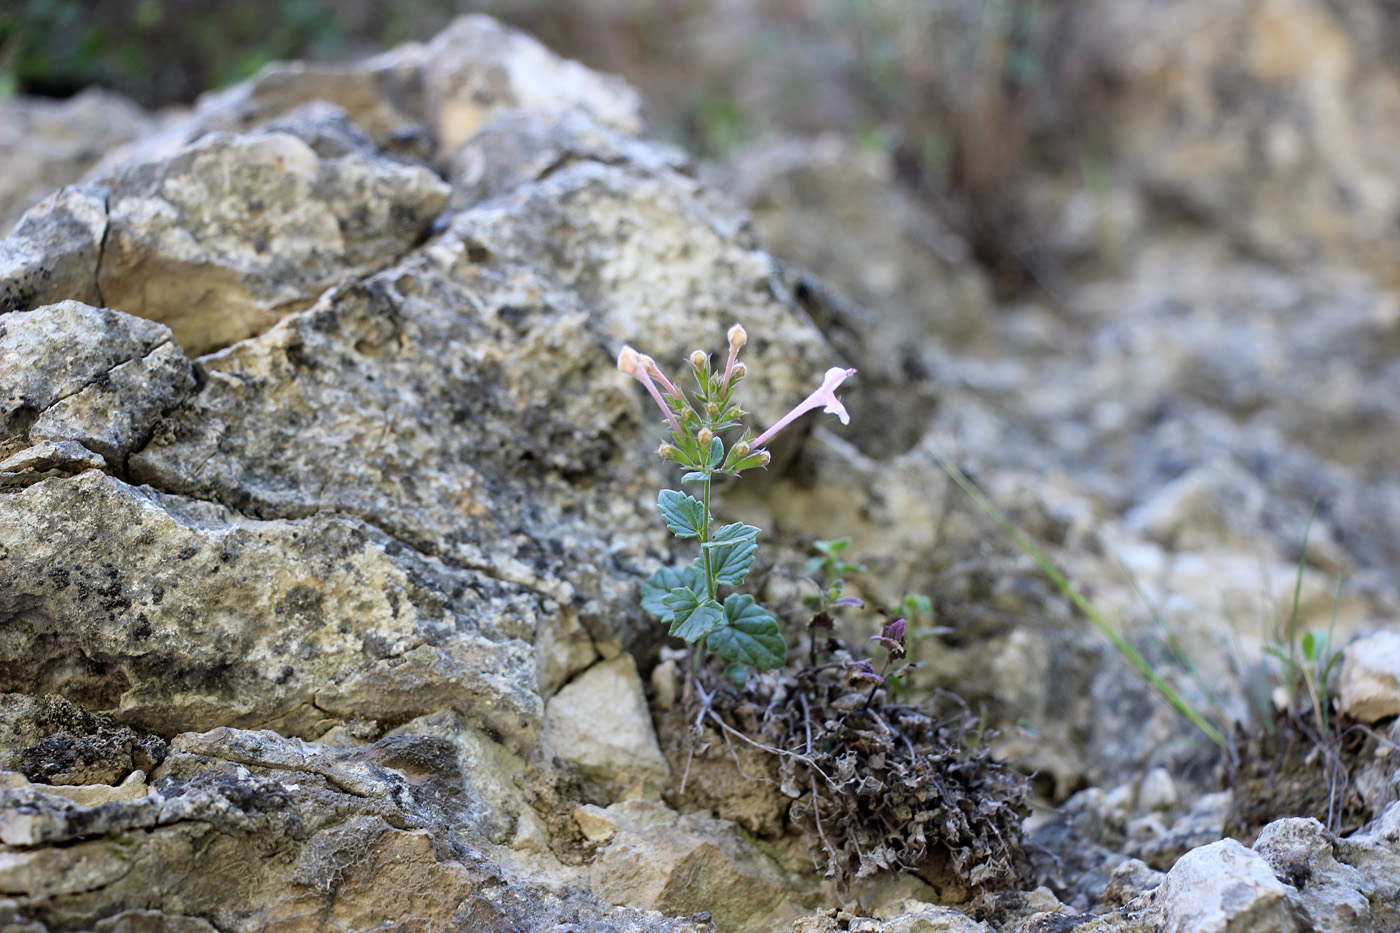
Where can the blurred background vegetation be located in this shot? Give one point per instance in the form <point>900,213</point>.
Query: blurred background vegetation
<point>960,94</point>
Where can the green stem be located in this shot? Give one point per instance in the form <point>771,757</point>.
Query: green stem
<point>697,657</point>
<point>711,588</point>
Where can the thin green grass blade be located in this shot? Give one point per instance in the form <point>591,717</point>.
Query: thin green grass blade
<point>1125,648</point>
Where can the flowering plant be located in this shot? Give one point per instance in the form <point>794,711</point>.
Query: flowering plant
<point>688,598</point>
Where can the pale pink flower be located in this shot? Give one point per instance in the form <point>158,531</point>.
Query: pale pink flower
<point>824,398</point>
<point>655,372</point>
<point>636,365</point>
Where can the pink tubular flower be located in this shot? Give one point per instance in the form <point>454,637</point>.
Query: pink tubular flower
<point>635,365</point>
<point>655,372</point>
<point>824,398</point>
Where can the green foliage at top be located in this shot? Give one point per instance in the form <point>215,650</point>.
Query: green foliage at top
<point>158,51</point>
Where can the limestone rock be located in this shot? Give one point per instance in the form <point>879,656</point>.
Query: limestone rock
<point>521,146</point>
<point>93,751</point>
<point>380,96</point>
<point>1370,679</point>
<point>306,835</point>
<point>1332,896</point>
<point>46,144</point>
<point>1129,880</point>
<point>47,459</point>
<point>176,614</point>
<point>658,860</point>
<point>115,415</point>
<point>1224,888</point>
<point>1374,852</point>
<point>912,918</point>
<point>132,787</point>
<point>52,354</point>
<point>887,298</point>
<point>415,102</point>
<point>600,722</point>
<point>469,449</point>
<point>476,68</point>
<point>1161,844</point>
<point>226,236</point>
<point>1314,88</point>
<point>53,252</point>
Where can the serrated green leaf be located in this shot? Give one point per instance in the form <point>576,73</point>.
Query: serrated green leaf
<point>695,616</point>
<point>749,634</point>
<point>684,515</point>
<point>731,553</point>
<point>656,586</point>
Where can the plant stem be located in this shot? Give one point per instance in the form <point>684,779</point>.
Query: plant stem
<point>711,588</point>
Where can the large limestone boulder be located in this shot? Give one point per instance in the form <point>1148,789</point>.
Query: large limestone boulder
<point>312,498</point>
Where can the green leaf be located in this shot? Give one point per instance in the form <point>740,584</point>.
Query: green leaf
<point>695,616</point>
<point>693,477</point>
<point>832,548</point>
<point>749,634</point>
<point>731,553</point>
<point>685,515</point>
<point>748,463</point>
<point>716,453</point>
<point>1311,646</point>
<point>656,586</point>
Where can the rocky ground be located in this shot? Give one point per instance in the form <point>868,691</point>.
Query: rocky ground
<point>323,509</point>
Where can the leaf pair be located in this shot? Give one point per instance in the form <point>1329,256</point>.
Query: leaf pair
<point>733,547</point>
<point>739,630</point>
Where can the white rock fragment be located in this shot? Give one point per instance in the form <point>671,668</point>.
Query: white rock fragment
<point>1370,687</point>
<point>1331,894</point>
<point>600,722</point>
<point>596,824</point>
<point>1224,888</point>
<point>1158,791</point>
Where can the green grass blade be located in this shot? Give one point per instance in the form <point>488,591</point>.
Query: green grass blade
<point>1165,690</point>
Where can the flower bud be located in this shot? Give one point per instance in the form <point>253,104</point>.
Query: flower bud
<point>666,452</point>
<point>712,408</point>
<point>738,336</point>
<point>740,451</point>
<point>628,360</point>
<point>705,436</point>
<point>763,458</point>
<point>895,630</point>
<point>740,370</point>
<point>699,360</point>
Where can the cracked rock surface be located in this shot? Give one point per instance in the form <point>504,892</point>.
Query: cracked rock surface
<point>313,495</point>
<point>323,510</point>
